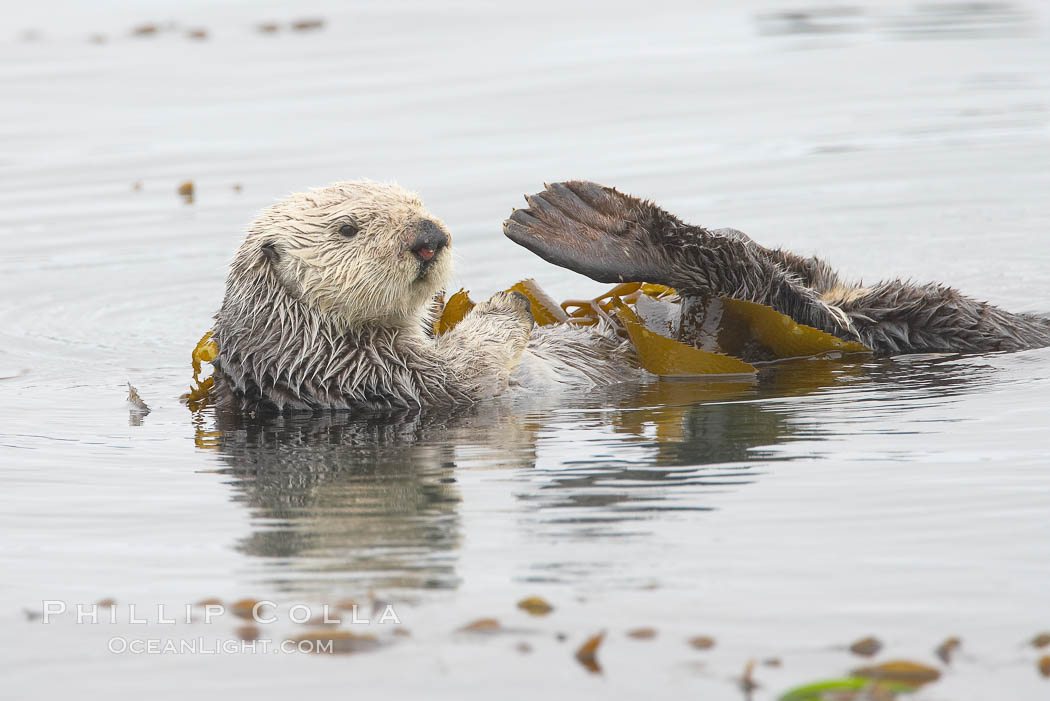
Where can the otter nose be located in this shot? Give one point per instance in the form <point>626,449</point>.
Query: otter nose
<point>429,241</point>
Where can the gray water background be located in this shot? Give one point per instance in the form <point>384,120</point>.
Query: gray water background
<point>907,498</point>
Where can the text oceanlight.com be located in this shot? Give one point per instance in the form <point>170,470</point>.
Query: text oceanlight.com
<point>120,645</point>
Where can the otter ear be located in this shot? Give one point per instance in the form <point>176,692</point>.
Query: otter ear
<point>269,251</point>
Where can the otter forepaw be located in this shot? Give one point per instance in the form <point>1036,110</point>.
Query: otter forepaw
<point>515,303</point>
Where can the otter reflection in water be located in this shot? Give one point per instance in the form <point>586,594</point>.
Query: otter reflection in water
<point>369,498</point>
<point>345,504</point>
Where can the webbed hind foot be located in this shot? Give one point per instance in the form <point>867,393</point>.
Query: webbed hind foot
<point>595,231</point>
<point>612,237</point>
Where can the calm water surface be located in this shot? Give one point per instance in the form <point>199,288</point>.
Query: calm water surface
<point>907,498</point>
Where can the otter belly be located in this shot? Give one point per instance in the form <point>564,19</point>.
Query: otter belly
<point>566,356</point>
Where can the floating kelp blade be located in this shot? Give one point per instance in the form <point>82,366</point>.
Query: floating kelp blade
<point>782,335</point>
<point>900,671</point>
<point>535,606</point>
<point>206,351</point>
<point>661,355</point>
<point>482,625</point>
<point>866,647</point>
<point>457,307</point>
<point>545,310</point>
<point>587,654</point>
<point>587,312</point>
<point>199,395</point>
<point>742,325</point>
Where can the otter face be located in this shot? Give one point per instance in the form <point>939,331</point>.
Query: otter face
<point>357,252</point>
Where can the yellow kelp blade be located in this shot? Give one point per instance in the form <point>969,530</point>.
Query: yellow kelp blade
<point>200,392</point>
<point>657,291</point>
<point>457,307</point>
<point>900,671</point>
<point>661,355</point>
<point>205,352</point>
<point>545,310</point>
<point>783,335</point>
<point>587,312</point>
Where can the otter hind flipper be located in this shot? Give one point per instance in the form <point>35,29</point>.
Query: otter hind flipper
<point>592,230</point>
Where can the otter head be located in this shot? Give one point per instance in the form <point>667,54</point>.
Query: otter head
<point>356,253</point>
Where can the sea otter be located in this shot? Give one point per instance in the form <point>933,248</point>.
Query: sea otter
<point>329,305</point>
<point>612,237</point>
<point>329,301</point>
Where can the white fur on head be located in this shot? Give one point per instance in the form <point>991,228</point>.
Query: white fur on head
<point>371,277</point>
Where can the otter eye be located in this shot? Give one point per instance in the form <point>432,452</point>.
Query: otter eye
<point>348,230</point>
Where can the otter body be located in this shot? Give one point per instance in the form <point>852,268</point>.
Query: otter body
<point>329,302</point>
